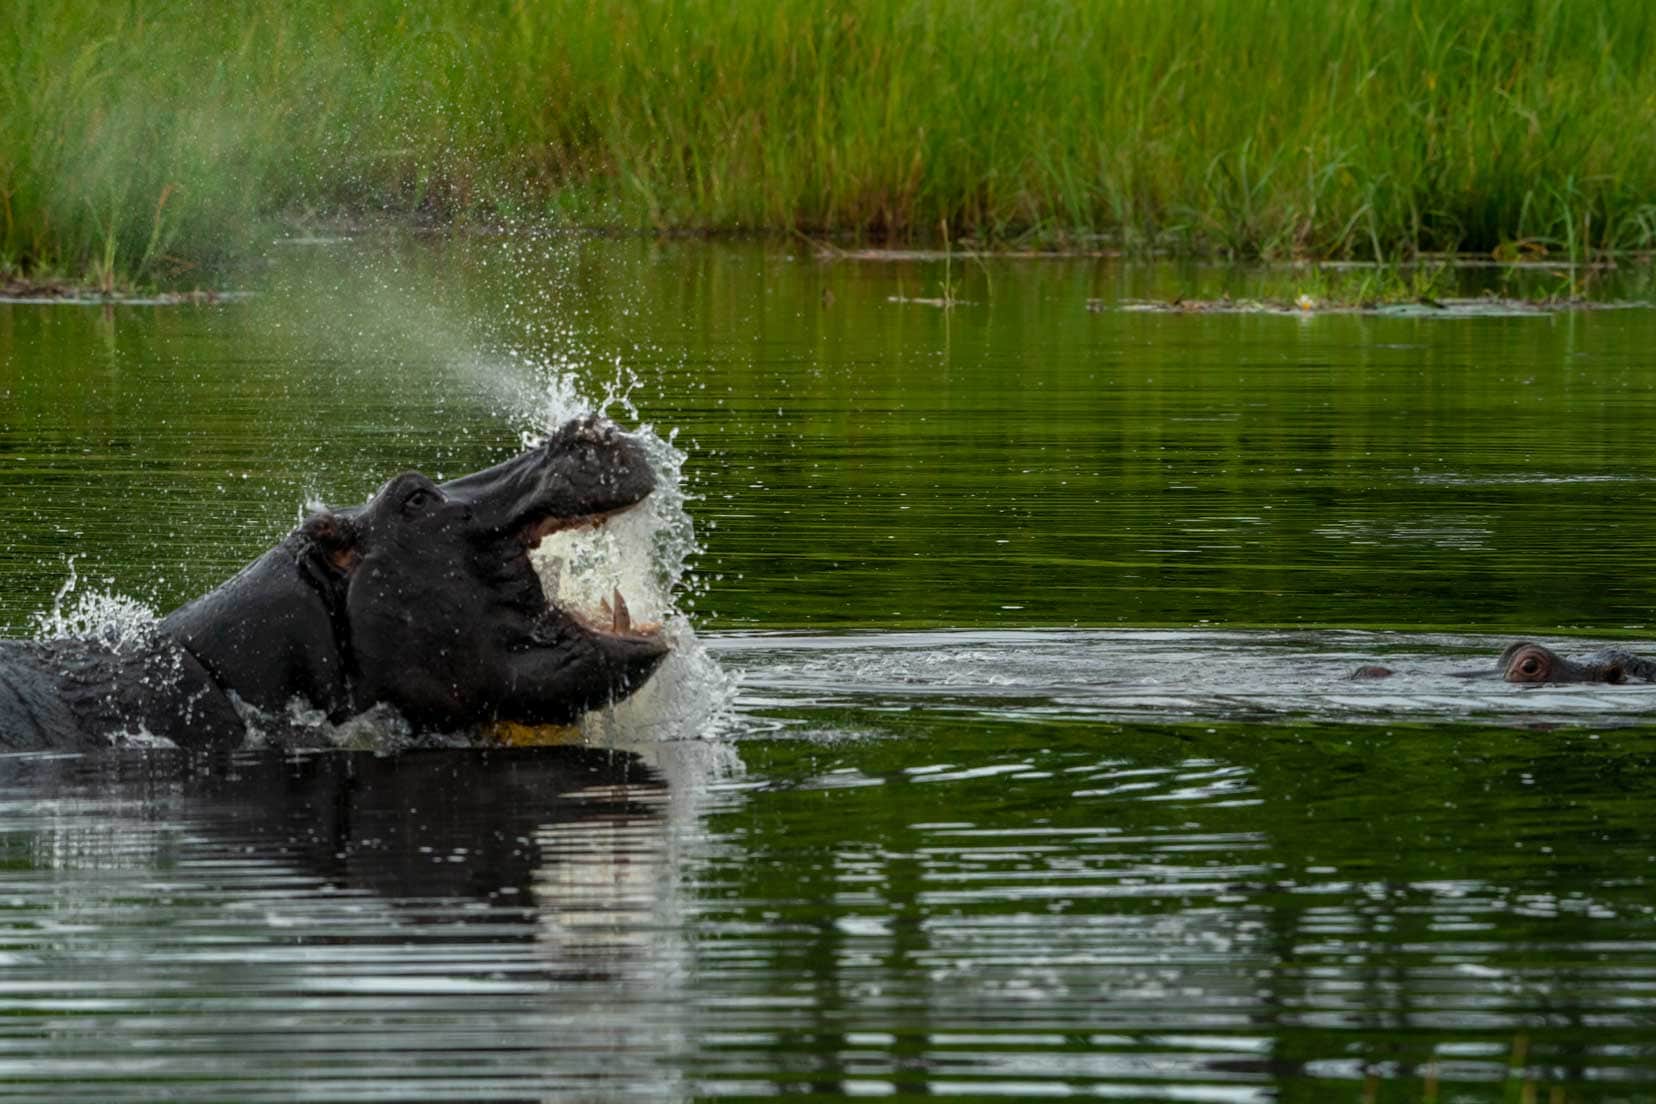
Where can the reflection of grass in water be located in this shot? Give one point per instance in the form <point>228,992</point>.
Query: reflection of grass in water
<point>152,142</point>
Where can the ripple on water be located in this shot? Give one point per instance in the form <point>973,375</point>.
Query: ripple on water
<point>1234,910</point>
<point>1047,886</point>
<point>1051,675</point>
<point>198,931</point>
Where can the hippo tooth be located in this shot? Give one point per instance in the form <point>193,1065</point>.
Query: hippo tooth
<point>622,620</point>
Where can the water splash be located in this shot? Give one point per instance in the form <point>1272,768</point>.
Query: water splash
<point>116,620</point>
<point>645,554</point>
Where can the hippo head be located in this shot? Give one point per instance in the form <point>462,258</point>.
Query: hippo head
<point>423,598</point>
<point>1529,662</point>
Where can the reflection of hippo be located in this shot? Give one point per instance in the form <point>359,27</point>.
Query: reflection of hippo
<point>422,599</point>
<point>388,823</point>
<point>1536,663</point>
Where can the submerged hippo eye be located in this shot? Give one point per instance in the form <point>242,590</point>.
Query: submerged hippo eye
<point>1531,663</point>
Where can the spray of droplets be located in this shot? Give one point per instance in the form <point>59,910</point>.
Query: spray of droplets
<point>121,622</point>
<point>645,554</point>
<point>545,376</point>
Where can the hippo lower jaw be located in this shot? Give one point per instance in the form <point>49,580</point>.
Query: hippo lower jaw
<point>587,668</point>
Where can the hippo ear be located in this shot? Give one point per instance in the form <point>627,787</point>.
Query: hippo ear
<point>333,541</point>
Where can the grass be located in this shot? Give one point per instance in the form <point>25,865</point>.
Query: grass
<point>157,140</point>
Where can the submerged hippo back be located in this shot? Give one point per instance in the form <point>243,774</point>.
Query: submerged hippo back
<point>84,694</point>
<point>33,711</point>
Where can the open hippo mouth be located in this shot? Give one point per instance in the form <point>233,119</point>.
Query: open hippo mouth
<point>612,618</point>
<point>424,598</point>
<point>448,619</point>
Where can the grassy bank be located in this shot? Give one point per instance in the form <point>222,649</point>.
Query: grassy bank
<point>153,141</point>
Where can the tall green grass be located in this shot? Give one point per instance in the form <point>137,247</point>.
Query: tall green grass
<point>155,139</point>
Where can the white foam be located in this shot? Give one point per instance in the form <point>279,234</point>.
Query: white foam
<point>121,622</point>
<point>645,554</point>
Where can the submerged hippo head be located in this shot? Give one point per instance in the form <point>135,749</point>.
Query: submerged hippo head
<point>423,598</point>
<point>1536,663</point>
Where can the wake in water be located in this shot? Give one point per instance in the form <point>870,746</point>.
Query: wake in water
<point>789,681</point>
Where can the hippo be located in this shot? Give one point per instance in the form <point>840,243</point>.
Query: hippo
<point>1528,662</point>
<point>421,600</point>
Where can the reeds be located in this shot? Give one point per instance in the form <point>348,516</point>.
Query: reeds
<point>152,140</point>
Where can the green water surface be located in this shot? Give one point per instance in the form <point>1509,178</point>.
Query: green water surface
<point>878,879</point>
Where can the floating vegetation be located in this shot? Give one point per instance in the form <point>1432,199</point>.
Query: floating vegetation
<point>1487,306</point>
<point>1443,287</point>
<point>57,291</point>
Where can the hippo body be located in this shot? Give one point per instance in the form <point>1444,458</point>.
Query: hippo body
<point>70,694</point>
<point>421,599</point>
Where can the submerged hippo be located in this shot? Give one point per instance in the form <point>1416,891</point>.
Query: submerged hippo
<point>1536,663</point>
<point>1527,662</point>
<point>421,599</point>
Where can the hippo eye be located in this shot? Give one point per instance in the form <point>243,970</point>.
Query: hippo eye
<point>419,500</point>
<point>1531,665</point>
<point>1614,675</point>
